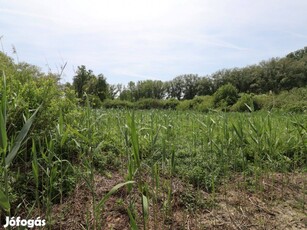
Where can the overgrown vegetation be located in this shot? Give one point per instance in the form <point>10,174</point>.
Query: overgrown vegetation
<point>163,154</point>
<point>268,77</point>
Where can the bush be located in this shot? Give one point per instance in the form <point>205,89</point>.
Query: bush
<point>27,89</point>
<point>94,101</point>
<point>185,105</point>
<point>206,104</point>
<point>244,104</point>
<point>294,100</point>
<point>149,103</point>
<point>171,103</point>
<point>117,104</point>
<point>225,96</point>
<point>190,104</point>
<point>263,101</point>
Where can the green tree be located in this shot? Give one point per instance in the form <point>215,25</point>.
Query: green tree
<point>190,86</point>
<point>86,82</point>
<point>114,91</point>
<point>82,77</point>
<point>102,87</point>
<point>176,87</point>
<point>205,86</point>
<point>150,89</point>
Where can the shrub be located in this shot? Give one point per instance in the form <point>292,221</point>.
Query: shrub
<point>117,104</point>
<point>27,89</point>
<point>294,100</point>
<point>185,105</point>
<point>149,103</point>
<point>171,103</point>
<point>225,96</point>
<point>244,104</point>
<point>206,104</point>
<point>94,101</point>
<point>263,101</point>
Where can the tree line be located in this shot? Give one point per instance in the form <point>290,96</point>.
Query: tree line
<point>273,75</point>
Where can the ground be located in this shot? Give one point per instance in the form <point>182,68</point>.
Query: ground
<point>276,201</point>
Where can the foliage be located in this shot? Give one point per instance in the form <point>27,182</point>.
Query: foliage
<point>273,75</point>
<point>86,82</point>
<point>117,104</point>
<point>94,101</point>
<point>294,100</point>
<point>149,104</point>
<point>195,103</point>
<point>244,104</point>
<point>69,144</point>
<point>206,104</point>
<point>171,103</point>
<point>185,105</point>
<point>27,89</point>
<point>225,96</point>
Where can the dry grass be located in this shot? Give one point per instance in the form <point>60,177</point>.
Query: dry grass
<point>279,205</point>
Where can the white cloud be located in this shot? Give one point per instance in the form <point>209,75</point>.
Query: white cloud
<point>152,38</point>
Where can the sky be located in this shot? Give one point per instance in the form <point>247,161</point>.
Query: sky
<point>133,40</point>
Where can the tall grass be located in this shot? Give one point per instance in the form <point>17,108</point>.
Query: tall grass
<point>154,149</point>
<point>9,147</point>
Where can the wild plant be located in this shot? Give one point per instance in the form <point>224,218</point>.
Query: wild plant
<point>9,147</point>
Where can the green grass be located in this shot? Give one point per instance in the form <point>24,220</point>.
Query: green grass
<point>153,148</point>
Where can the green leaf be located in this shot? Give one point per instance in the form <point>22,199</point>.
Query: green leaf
<point>3,134</point>
<point>64,138</point>
<point>4,98</point>
<point>249,108</point>
<point>145,206</point>
<point>21,136</point>
<point>134,140</point>
<point>77,133</point>
<point>4,202</point>
<point>34,163</point>
<point>113,190</point>
<point>133,224</point>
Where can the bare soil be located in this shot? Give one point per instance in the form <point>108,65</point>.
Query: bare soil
<point>274,201</point>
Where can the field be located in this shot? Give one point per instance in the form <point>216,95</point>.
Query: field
<point>153,169</point>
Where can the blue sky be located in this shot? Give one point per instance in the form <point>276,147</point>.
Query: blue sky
<point>144,39</point>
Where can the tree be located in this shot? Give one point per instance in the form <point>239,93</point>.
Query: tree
<point>150,89</point>
<point>190,86</point>
<point>101,88</point>
<point>86,82</point>
<point>80,80</point>
<point>205,86</point>
<point>176,87</point>
<point>114,91</point>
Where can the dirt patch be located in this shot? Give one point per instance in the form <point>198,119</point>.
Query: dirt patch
<point>276,201</point>
<point>278,204</point>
